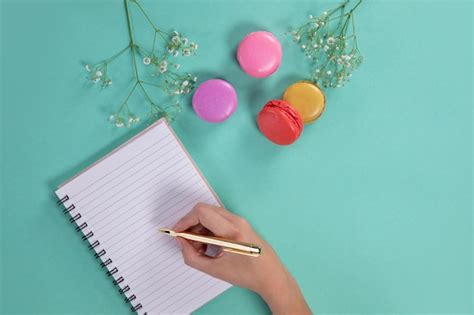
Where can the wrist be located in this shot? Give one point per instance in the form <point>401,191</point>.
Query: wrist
<point>283,296</point>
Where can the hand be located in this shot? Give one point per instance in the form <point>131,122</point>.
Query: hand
<point>265,275</point>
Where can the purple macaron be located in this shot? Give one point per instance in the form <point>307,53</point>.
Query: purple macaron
<point>215,100</point>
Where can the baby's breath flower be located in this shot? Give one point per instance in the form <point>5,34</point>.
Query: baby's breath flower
<point>334,32</point>
<point>186,52</point>
<point>165,75</point>
<point>176,40</point>
<point>119,122</point>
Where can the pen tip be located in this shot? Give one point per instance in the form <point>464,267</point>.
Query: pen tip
<point>167,231</point>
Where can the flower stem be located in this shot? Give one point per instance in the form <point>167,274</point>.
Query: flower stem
<point>133,46</point>
<point>146,16</point>
<point>128,97</point>
<point>112,58</point>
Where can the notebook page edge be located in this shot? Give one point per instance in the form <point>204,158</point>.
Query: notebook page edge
<point>139,135</point>
<point>208,186</point>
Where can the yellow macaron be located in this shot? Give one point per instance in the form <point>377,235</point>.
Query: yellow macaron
<point>307,98</point>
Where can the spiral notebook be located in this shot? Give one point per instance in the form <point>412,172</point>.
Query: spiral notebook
<point>120,202</point>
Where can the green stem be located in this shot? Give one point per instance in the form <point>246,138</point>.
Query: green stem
<point>128,97</point>
<point>132,39</point>
<point>146,16</point>
<point>145,92</point>
<point>349,17</point>
<point>154,42</point>
<point>355,7</point>
<point>110,59</point>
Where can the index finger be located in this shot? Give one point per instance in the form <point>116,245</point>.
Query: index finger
<point>208,217</point>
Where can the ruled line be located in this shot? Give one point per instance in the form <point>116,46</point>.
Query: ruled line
<point>120,166</point>
<point>126,199</point>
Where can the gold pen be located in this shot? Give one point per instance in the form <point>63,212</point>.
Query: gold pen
<point>227,245</point>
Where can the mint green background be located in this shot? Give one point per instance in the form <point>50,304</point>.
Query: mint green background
<point>379,189</point>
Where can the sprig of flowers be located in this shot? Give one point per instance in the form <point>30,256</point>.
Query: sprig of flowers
<point>163,63</point>
<point>330,43</point>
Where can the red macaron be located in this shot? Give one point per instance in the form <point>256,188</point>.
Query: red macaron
<point>280,122</point>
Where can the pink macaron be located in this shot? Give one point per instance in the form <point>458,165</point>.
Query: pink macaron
<point>259,54</point>
<point>215,100</point>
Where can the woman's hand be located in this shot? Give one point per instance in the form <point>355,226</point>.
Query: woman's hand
<point>265,275</point>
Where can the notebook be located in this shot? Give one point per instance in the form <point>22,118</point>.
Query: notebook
<point>121,201</point>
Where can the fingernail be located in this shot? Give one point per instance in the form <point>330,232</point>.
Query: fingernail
<point>178,241</point>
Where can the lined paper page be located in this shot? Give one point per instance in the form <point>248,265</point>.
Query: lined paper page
<point>148,183</point>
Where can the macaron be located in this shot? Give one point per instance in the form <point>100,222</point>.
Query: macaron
<point>280,122</point>
<point>307,98</point>
<point>259,54</point>
<point>215,100</point>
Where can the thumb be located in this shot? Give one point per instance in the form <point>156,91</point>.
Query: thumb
<point>192,257</point>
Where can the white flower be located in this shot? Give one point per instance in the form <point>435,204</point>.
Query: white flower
<point>326,47</point>
<point>185,83</point>
<point>315,46</point>
<point>331,40</point>
<point>329,72</point>
<point>303,46</point>
<point>98,73</point>
<point>186,52</point>
<point>88,68</point>
<point>146,61</point>
<point>112,117</point>
<point>339,61</point>
<point>163,66</point>
<point>175,39</point>
<point>317,70</point>
<point>185,41</point>
<point>195,79</point>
